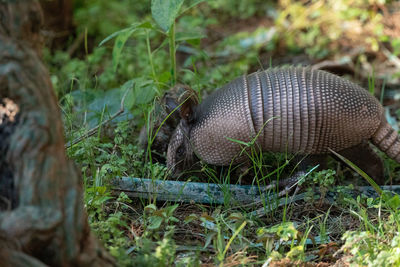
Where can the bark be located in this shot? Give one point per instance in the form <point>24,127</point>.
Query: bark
<point>42,218</point>
<point>58,25</point>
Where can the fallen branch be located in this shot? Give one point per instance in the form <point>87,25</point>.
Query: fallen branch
<point>209,193</point>
<point>180,191</point>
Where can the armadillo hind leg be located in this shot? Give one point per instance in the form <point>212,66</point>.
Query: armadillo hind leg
<point>387,140</point>
<point>361,155</point>
<point>367,160</point>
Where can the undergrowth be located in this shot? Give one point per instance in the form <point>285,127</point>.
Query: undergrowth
<point>139,50</point>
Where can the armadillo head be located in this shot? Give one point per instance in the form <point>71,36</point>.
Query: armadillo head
<point>164,120</point>
<point>180,154</point>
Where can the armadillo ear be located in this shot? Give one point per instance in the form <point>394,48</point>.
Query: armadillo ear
<point>189,102</point>
<point>181,98</point>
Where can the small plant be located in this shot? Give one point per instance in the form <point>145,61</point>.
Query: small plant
<point>160,219</point>
<point>160,253</point>
<point>222,231</point>
<point>372,250</point>
<point>110,228</point>
<point>276,238</point>
<point>324,179</point>
<point>377,244</point>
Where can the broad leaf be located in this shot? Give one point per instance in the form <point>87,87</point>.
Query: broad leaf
<point>144,94</point>
<point>155,222</point>
<point>141,91</point>
<point>129,99</point>
<point>119,45</point>
<point>165,12</point>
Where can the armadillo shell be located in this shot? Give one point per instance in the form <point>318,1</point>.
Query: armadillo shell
<point>294,110</point>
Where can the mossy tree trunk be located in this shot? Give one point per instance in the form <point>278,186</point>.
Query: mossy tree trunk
<point>42,219</point>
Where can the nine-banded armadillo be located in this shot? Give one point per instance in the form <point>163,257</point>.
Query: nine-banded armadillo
<point>295,110</point>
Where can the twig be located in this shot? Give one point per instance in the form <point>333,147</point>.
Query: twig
<point>94,130</point>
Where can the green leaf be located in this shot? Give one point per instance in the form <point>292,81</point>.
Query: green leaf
<point>144,95</point>
<point>143,25</point>
<point>392,202</point>
<point>296,252</point>
<point>206,217</point>
<point>285,231</point>
<point>119,45</point>
<point>144,92</point>
<point>130,98</point>
<point>209,238</point>
<point>122,37</point>
<point>172,208</point>
<point>108,38</point>
<point>235,216</point>
<point>165,12</point>
<point>164,77</point>
<point>141,91</point>
<point>186,36</point>
<point>134,26</point>
<point>190,218</point>
<point>155,222</point>
<point>150,207</point>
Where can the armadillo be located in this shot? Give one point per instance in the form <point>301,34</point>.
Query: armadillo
<point>293,109</point>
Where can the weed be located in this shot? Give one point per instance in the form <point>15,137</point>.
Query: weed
<point>378,244</point>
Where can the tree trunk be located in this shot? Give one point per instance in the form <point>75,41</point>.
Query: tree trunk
<point>42,219</point>
<point>58,26</point>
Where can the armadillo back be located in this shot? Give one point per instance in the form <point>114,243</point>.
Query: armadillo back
<point>311,111</point>
<point>291,110</point>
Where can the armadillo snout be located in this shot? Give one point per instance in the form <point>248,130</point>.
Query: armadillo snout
<point>175,142</point>
<point>180,153</point>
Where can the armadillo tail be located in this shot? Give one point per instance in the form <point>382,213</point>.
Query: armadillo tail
<point>388,140</point>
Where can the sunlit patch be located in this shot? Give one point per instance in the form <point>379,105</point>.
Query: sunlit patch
<point>8,110</point>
